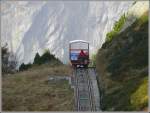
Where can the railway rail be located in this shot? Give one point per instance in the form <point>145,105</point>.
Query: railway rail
<point>84,96</point>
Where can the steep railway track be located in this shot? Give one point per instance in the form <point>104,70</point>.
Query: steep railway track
<point>84,97</point>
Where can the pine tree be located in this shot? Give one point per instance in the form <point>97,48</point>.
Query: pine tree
<point>5,56</point>
<point>9,61</point>
<point>37,59</point>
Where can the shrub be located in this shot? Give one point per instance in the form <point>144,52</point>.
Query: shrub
<point>46,58</point>
<point>116,28</point>
<point>93,60</point>
<point>24,66</point>
<point>139,99</point>
<point>110,35</point>
<point>37,59</point>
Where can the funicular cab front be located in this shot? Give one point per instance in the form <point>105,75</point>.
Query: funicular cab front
<point>76,49</point>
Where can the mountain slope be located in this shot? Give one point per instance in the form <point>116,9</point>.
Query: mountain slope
<point>122,64</point>
<point>32,26</point>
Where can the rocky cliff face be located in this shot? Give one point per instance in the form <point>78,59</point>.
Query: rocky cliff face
<point>30,27</point>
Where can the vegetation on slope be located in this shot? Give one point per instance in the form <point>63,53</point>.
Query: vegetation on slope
<point>9,60</point>
<point>92,61</point>
<point>123,67</point>
<point>46,58</point>
<point>32,91</point>
<point>140,96</point>
<point>116,28</point>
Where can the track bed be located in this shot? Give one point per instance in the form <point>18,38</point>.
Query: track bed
<point>85,97</point>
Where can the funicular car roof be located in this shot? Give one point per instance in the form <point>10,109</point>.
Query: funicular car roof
<point>76,41</point>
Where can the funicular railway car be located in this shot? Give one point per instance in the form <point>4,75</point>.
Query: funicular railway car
<point>79,53</point>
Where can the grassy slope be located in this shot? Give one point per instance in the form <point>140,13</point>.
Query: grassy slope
<point>31,91</point>
<point>123,68</point>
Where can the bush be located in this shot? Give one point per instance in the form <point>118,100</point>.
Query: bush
<point>110,35</point>
<point>116,28</point>
<point>119,24</point>
<point>45,58</point>
<point>93,61</point>
<point>139,98</point>
<point>37,59</point>
<point>5,56</point>
<point>24,67</point>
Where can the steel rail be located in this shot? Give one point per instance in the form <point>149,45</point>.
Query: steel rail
<point>78,82</point>
<point>90,91</point>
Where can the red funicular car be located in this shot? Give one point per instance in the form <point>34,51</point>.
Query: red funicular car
<point>79,53</point>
